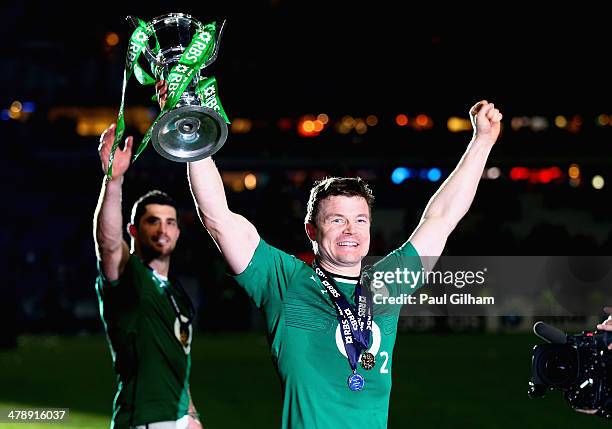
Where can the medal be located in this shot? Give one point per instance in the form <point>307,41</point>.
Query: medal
<point>184,336</point>
<point>182,324</point>
<point>355,325</point>
<point>355,382</point>
<point>367,361</point>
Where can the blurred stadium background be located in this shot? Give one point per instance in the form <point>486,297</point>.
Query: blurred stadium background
<point>312,90</point>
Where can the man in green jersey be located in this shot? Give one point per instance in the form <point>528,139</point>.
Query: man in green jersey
<point>334,358</point>
<point>147,317</point>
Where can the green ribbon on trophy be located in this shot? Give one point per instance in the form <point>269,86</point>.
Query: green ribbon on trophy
<point>191,131</point>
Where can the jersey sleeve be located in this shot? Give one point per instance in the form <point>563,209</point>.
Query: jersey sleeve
<point>266,277</point>
<point>102,283</point>
<point>125,280</point>
<point>398,273</point>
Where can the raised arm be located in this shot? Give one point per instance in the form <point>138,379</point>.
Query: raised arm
<point>235,236</point>
<point>454,197</point>
<point>111,248</point>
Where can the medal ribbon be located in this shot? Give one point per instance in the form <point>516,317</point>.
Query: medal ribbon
<point>165,285</point>
<point>356,329</point>
<point>208,92</point>
<point>137,44</point>
<point>195,55</point>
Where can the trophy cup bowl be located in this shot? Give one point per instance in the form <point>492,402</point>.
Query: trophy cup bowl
<point>190,131</point>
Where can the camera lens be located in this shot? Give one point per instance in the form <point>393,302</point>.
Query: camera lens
<point>555,365</point>
<point>558,368</point>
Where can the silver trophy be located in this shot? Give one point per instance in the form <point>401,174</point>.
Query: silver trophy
<point>190,131</point>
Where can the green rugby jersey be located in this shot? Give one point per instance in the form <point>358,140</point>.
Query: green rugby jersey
<point>306,343</point>
<point>142,329</point>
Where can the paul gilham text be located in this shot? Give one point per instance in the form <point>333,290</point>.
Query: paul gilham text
<point>423,298</point>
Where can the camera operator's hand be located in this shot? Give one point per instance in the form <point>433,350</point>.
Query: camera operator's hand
<point>607,324</point>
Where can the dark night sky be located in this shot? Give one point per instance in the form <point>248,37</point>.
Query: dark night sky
<point>292,57</point>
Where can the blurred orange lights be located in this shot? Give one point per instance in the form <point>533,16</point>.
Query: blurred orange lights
<point>574,171</point>
<point>371,120</point>
<point>422,120</point>
<point>348,121</point>
<point>250,181</point>
<point>16,107</point>
<point>456,124</point>
<point>560,121</point>
<point>308,126</point>
<point>602,120</point>
<point>361,127</point>
<point>318,126</point>
<point>241,125</point>
<point>401,120</point>
<point>112,39</point>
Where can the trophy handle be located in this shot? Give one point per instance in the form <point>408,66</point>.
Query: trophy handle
<point>149,55</point>
<point>213,57</point>
<point>152,58</point>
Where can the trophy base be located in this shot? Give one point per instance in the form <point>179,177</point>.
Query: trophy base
<point>189,133</point>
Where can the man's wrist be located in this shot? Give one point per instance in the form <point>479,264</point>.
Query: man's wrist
<point>113,181</point>
<point>484,141</point>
